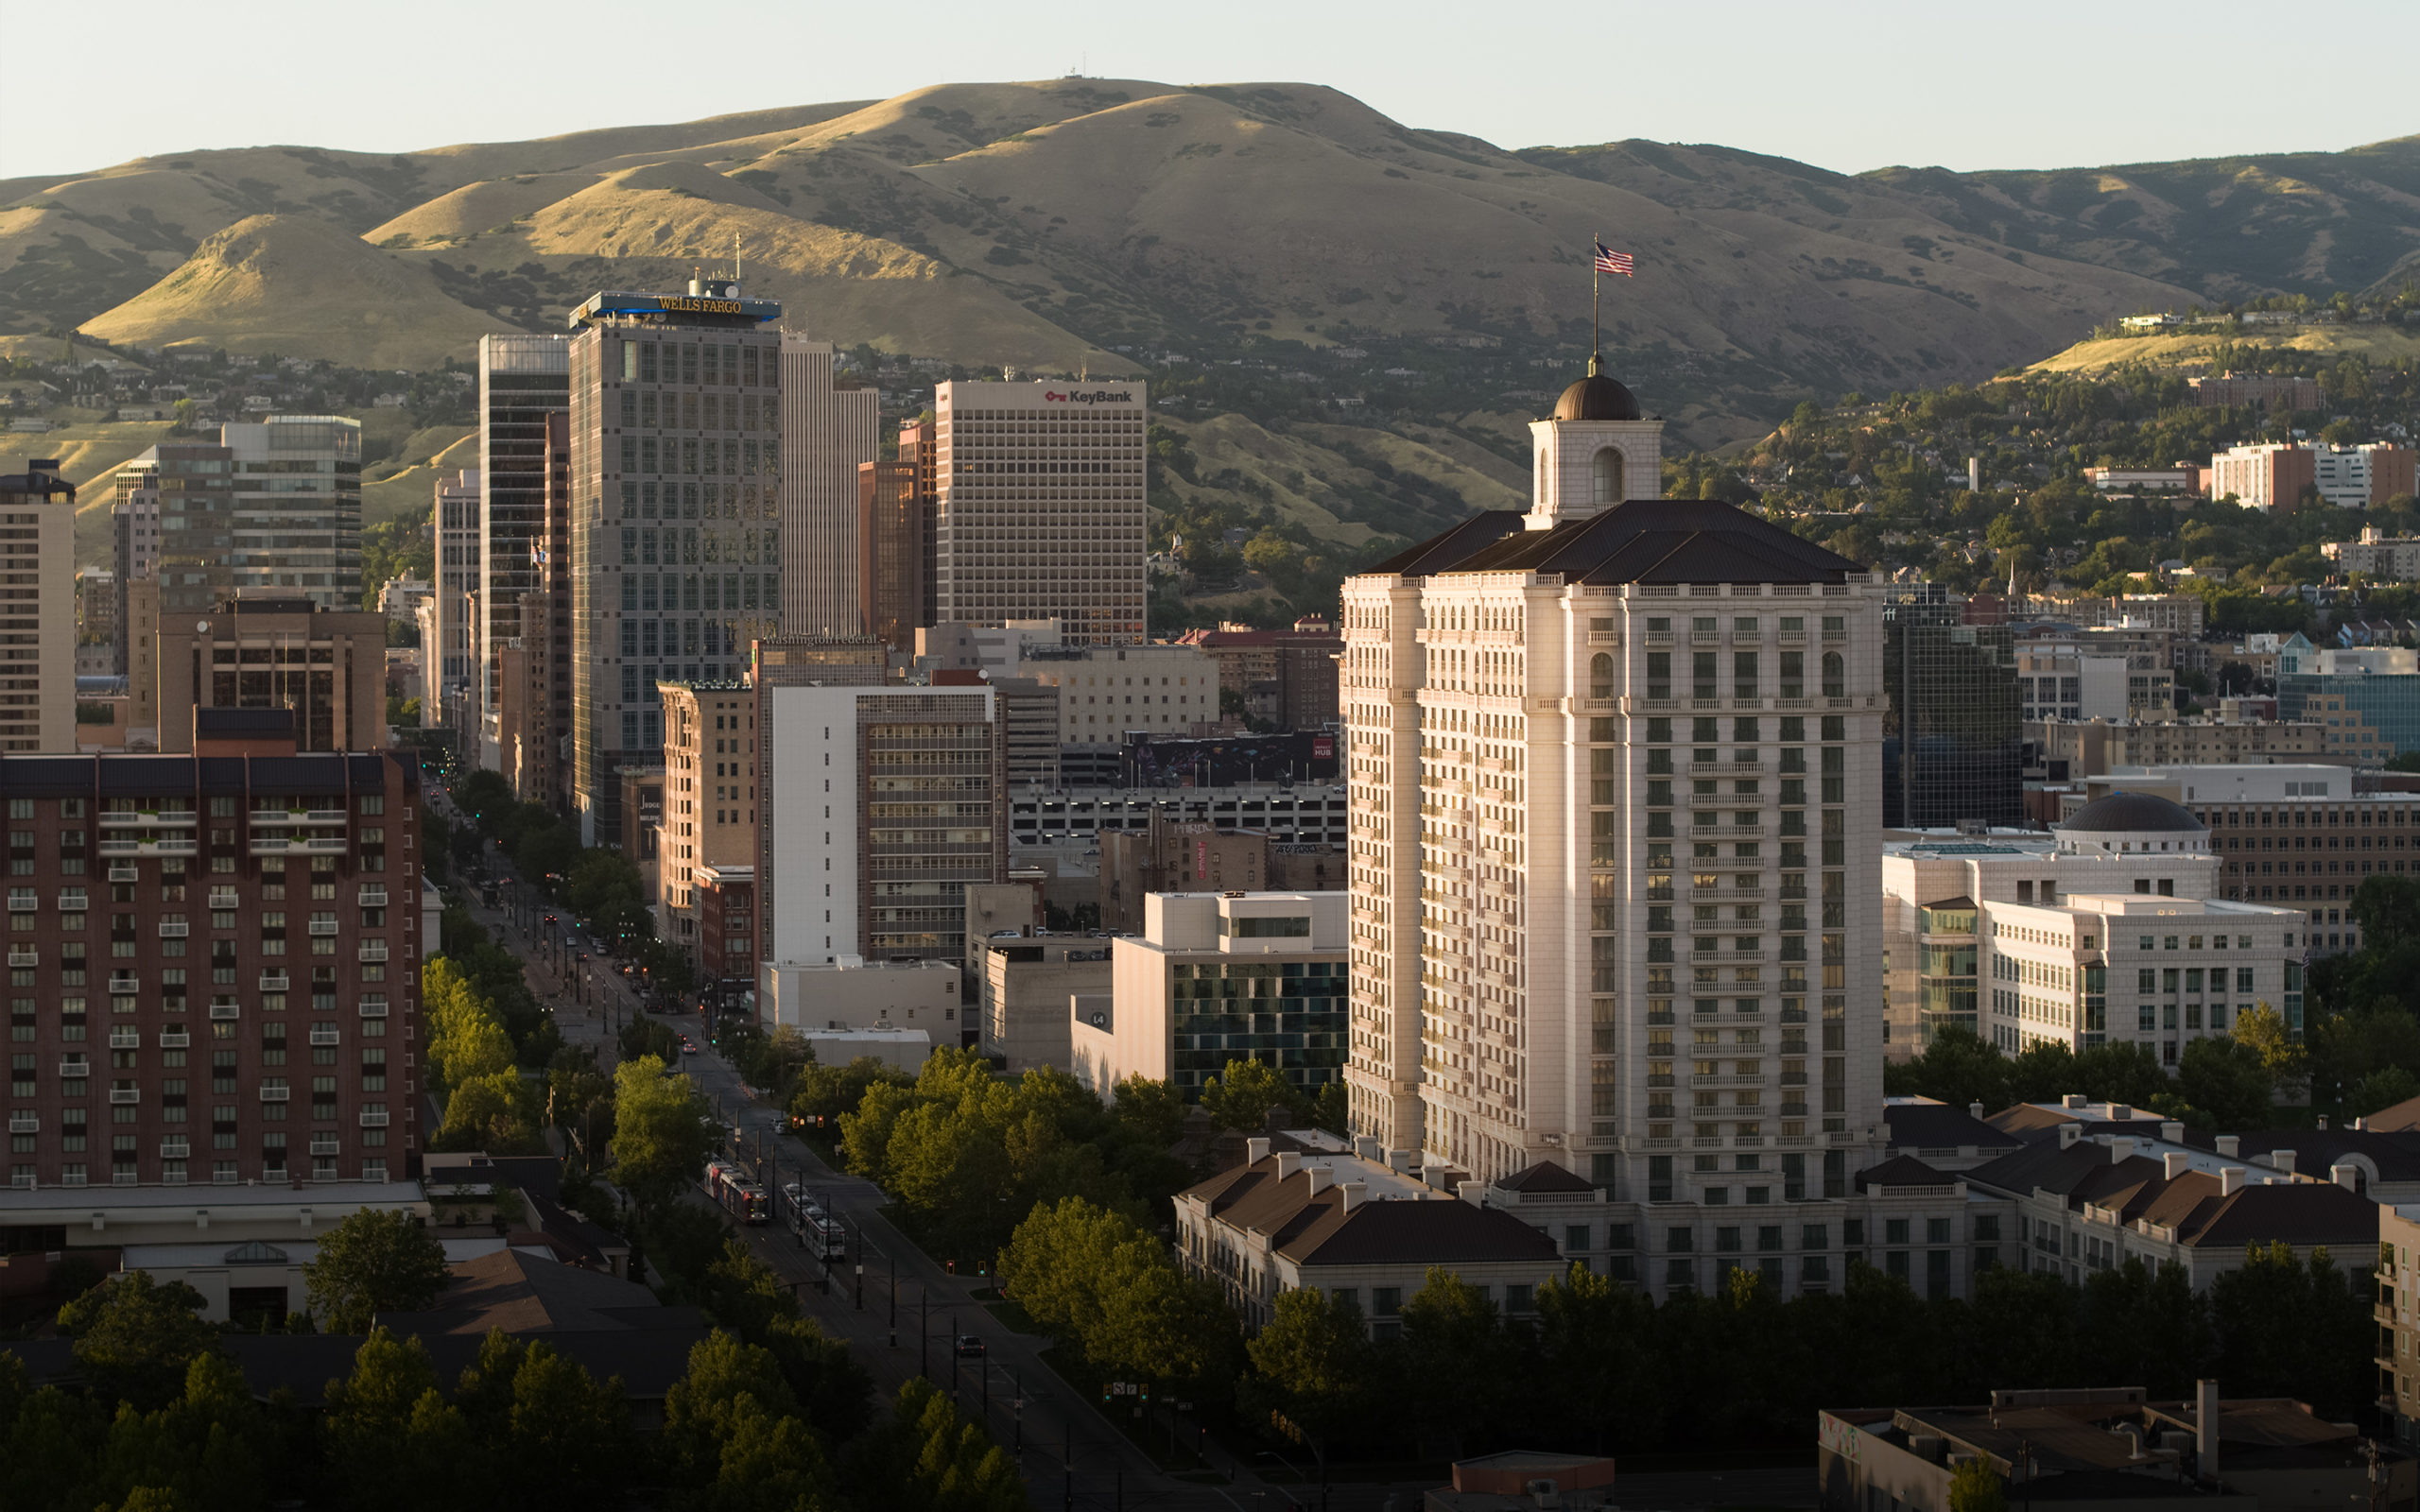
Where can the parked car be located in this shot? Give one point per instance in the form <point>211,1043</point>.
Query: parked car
<point>970,1346</point>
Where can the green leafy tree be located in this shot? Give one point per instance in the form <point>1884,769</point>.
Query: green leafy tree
<point>136,1337</point>
<point>391,1440</point>
<point>1313,1363</point>
<point>1975,1487</point>
<point>2225,1079</point>
<point>1958,1068</point>
<point>1594,1339</point>
<point>1149,1109</point>
<point>660,1130</point>
<point>1242,1097</point>
<point>1454,1355</point>
<point>2381,1090</point>
<point>374,1261</point>
<point>2262,1029</point>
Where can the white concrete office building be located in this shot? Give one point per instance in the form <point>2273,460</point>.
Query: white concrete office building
<point>2112,931</point>
<point>298,508</point>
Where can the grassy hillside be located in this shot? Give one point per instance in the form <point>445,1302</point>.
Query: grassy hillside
<point>2378,344</point>
<point>1101,223</point>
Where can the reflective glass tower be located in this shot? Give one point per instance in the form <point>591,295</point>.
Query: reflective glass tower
<point>1953,740</point>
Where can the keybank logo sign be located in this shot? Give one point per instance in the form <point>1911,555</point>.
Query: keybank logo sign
<point>1090,396</point>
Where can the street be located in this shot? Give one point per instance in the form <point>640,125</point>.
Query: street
<point>901,1311</point>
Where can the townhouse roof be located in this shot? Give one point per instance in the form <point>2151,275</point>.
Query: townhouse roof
<point>1547,1177</point>
<point>1922,1124</point>
<point>1902,1170</point>
<point>1317,1229</point>
<point>2193,1204</point>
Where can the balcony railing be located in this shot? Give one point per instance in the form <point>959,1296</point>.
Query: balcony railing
<point>373,897</point>
<point>75,1066</point>
<point>226,1010</point>
<point>224,898</point>
<point>73,902</point>
<point>125,1038</point>
<point>274,982</point>
<point>325,1145</point>
<point>122,986</point>
<point>175,1149</point>
<point>135,819</point>
<point>174,929</point>
<point>374,1118</point>
<point>323,926</point>
<point>373,950</point>
<point>122,1095</point>
<point>25,902</point>
<point>374,1008</point>
<point>324,1036</point>
<point>277,1094</point>
<point>27,957</point>
<point>175,1039</point>
<point>126,873</point>
<point>24,1123</point>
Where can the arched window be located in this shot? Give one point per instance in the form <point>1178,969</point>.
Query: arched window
<point>1836,678</point>
<point>1608,476</point>
<point>1601,676</point>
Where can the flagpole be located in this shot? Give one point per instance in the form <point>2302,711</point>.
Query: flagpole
<point>1595,324</point>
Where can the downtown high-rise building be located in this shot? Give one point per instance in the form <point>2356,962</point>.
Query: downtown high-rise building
<point>37,609</point>
<point>1953,739</point>
<point>674,482</point>
<point>895,540</point>
<point>189,488</point>
<point>1615,771</point>
<point>449,656</point>
<point>135,542</point>
<point>297,502</point>
<point>1039,506</point>
<point>828,428</point>
<point>523,379</point>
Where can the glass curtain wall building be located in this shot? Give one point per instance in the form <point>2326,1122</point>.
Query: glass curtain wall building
<point>675,499</point>
<point>298,507</point>
<point>523,379</point>
<point>1953,742</point>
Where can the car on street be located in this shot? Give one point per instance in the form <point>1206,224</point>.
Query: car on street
<point>970,1346</point>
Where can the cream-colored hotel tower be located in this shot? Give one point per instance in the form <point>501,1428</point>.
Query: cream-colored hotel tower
<point>1616,829</point>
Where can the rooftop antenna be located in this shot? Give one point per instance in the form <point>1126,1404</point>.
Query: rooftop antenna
<point>734,257</point>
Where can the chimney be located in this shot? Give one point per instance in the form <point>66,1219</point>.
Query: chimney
<point>1974,1110</point>
<point>2205,1425</point>
<point>1288,1161</point>
<point>1368,1148</point>
<point>2282,1160</point>
<point>1320,1179</point>
<point>1255,1151</point>
<point>2174,1163</point>
<point>2173,1131</point>
<point>1399,1161</point>
<point>1472,1192</point>
<point>2230,1180</point>
<point>2229,1146</point>
<point>2323,1123</point>
<point>2073,1100</point>
<point>1356,1194</point>
<point>2069,1133</point>
<point>2345,1176</point>
<point>2120,1151</point>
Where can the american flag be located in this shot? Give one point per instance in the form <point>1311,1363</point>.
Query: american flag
<point>1609,261</point>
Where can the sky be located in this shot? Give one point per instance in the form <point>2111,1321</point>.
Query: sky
<point>1854,85</point>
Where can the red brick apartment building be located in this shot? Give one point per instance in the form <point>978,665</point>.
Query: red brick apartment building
<point>212,963</point>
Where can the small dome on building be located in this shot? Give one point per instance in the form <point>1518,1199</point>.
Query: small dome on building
<point>2132,813</point>
<point>1596,397</point>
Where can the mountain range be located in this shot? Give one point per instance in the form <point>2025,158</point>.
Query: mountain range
<point>1094,223</point>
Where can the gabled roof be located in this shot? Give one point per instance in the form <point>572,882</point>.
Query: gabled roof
<point>1939,1126</point>
<point>1547,1177</point>
<point>1314,1227</point>
<point>1901,1171</point>
<point>2192,1204</point>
